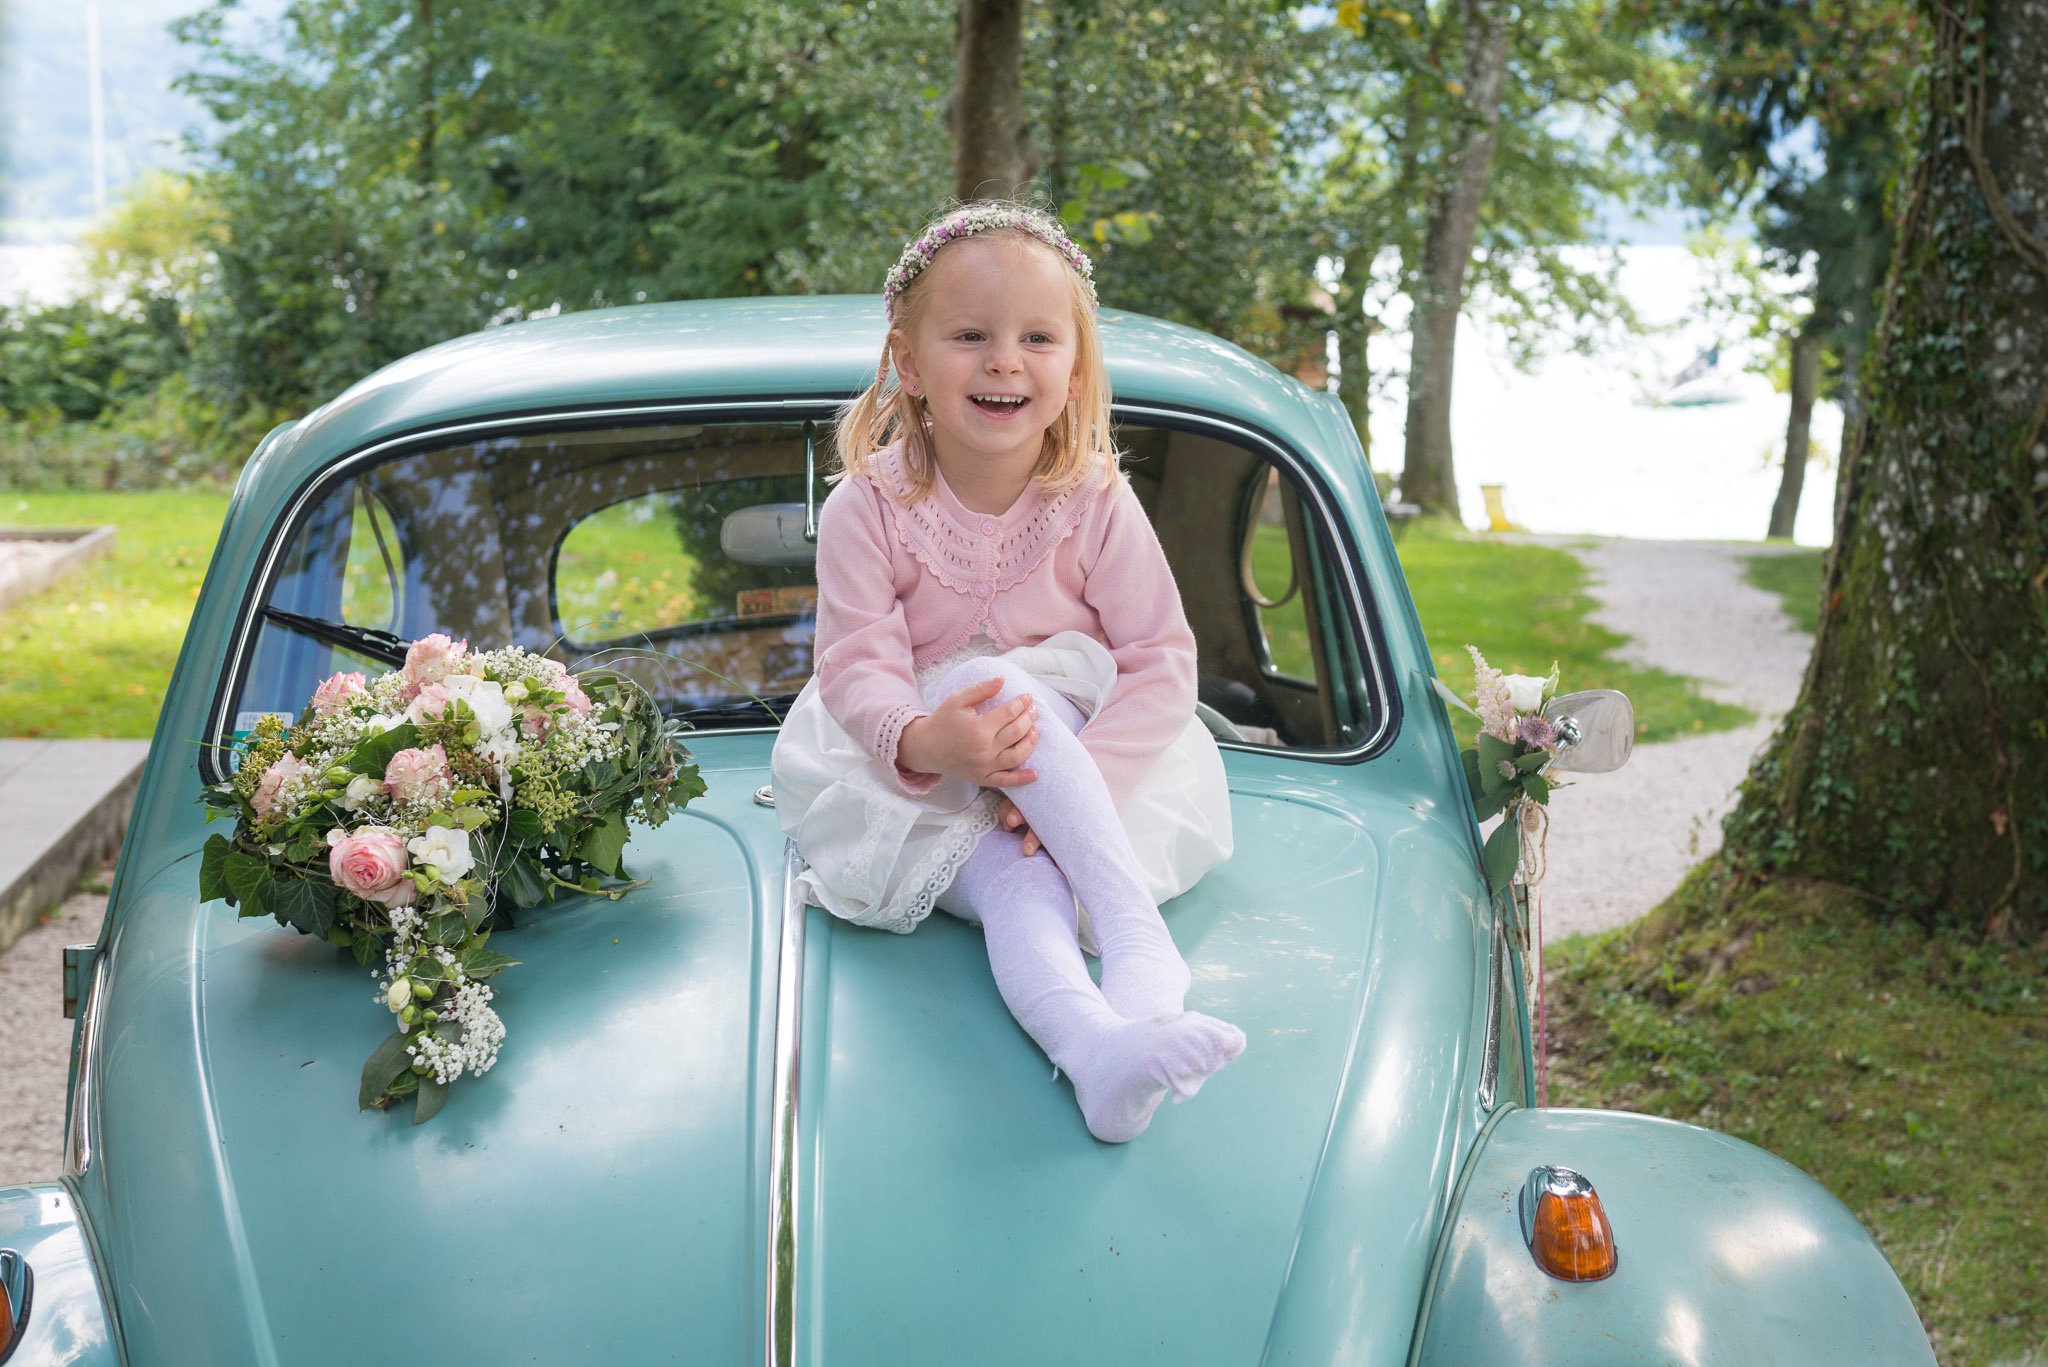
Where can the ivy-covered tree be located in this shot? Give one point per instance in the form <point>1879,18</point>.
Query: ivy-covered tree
<point>1915,763</point>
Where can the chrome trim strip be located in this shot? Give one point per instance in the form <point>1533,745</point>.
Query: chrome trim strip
<point>782,1126</point>
<point>1379,680</point>
<point>1489,1057</point>
<point>82,1130</point>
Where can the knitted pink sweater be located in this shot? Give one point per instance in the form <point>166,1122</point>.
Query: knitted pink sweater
<point>901,587</point>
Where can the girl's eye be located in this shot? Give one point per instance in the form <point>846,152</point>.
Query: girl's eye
<point>970,336</point>
<point>1039,339</point>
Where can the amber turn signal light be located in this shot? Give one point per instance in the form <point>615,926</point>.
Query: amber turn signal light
<point>1565,1226</point>
<point>16,1283</point>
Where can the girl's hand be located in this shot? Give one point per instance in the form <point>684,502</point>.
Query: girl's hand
<point>984,748</point>
<point>1011,819</point>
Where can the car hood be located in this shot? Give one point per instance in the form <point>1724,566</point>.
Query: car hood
<point>601,1195</point>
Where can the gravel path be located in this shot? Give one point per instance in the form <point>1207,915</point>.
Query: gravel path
<point>38,1038</point>
<point>1620,842</point>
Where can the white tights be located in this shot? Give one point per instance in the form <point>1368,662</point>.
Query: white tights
<point>1128,1043</point>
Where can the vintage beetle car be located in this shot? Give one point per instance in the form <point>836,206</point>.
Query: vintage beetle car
<point>649,1175</point>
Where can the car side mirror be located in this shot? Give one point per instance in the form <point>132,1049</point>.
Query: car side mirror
<point>1596,730</point>
<point>767,534</point>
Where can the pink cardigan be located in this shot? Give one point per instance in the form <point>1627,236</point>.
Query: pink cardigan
<point>901,587</point>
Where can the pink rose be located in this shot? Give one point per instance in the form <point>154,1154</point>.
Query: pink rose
<point>430,702</point>
<point>371,864</point>
<point>573,694</point>
<point>419,776</point>
<point>333,694</point>
<point>429,660</point>
<point>288,767</point>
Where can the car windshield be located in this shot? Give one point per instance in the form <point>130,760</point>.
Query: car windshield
<point>678,553</point>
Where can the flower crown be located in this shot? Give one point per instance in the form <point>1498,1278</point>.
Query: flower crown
<point>981,218</point>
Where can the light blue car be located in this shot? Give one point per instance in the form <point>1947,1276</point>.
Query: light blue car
<point>726,1129</point>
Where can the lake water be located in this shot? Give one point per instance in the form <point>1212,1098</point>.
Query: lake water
<point>1578,449</point>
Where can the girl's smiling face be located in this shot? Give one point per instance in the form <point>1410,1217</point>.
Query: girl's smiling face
<point>991,350</point>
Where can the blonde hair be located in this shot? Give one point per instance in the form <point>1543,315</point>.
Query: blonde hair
<point>1077,445</point>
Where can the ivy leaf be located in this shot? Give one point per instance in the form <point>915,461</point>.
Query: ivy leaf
<point>382,1068</point>
<point>371,756</point>
<point>525,825</point>
<point>449,928</point>
<point>1492,752</point>
<point>250,879</point>
<point>481,961</point>
<point>604,843</point>
<point>433,1095</point>
<point>213,880</point>
<point>523,882</point>
<point>304,904</point>
<point>365,948</point>
<point>1503,851</point>
<point>1486,806</point>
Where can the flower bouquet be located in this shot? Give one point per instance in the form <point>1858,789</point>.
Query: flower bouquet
<point>402,817</point>
<point>1505,766</point>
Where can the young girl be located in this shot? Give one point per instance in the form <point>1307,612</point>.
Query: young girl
<point>1003,668</point>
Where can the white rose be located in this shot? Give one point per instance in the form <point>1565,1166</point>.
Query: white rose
<point>445,853</point>
<point>360,789</point>
<point>486,700</point>
<point>515,691</point>
<point>399,993</point>
<point>373,726</point>
<point>1525,691</point>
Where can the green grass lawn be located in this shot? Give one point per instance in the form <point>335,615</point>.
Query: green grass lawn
<point>1907,1071</point>
<point>1524,606</point>
<point>1795,578</point>
<point>92,654</point>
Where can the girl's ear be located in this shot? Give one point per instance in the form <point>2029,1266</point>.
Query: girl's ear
<point>906,361</point>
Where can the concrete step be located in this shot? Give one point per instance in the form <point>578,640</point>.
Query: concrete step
<point>64,805</point>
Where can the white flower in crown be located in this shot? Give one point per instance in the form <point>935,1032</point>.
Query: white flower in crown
<point>443,852</point>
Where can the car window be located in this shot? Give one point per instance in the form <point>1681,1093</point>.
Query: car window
<point>677,553</point>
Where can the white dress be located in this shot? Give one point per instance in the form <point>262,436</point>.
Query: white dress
<point>880,857</point>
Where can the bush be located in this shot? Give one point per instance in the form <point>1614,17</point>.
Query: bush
<point>164,438</point>
<point>77,360</point>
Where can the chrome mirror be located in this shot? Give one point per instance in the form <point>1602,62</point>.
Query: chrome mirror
<point>1596,730</point>
<point>768,534</point>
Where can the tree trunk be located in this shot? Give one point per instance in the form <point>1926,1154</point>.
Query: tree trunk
<point>1798,433</point>
<point>992,153</point>
<point>1915,763</point>
<point>1427,474</point>
<point>1354,330</point>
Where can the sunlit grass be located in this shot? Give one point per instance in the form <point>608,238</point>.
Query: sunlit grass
<point>1795,577</point>
<point>1525,606</point>
<point>92,655</point>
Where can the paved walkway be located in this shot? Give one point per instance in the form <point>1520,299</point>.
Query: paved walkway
<point>1620,842</point>
<point>63,807</point>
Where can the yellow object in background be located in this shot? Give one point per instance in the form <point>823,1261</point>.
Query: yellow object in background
<point>1497,510</point>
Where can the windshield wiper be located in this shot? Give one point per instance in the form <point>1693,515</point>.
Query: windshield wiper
<point>773,708</point>
<point>378,645</point>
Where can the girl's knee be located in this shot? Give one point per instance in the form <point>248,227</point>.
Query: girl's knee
<point>977,671</point>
